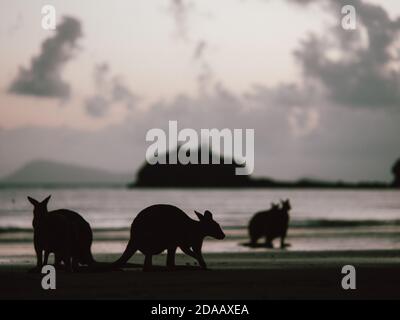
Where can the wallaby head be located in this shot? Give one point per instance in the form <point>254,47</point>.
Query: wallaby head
<point>274,206</point>
<point>210,226</point>
<point>286,205</point>
<point>39,208</point>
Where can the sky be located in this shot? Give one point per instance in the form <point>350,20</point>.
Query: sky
<point>323,101</point>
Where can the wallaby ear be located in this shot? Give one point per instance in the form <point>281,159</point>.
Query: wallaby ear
<point>33,201</point>
<point>46,201</point>
<point>199,215</point>
<point>208,215</point>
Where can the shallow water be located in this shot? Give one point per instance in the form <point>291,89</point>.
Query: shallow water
<point>320,219</point>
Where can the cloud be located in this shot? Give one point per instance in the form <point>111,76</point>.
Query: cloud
<point>43,78</point>
<point>97,106</point>
<point>205,75</point>
<point>108,93</point>
<point>299,129</point>
<point>17,24</point>
<point>303,121</point>
<point>342,138</point>
<point>179,10</point>
<point>199,50</point>
<point>357,68</point>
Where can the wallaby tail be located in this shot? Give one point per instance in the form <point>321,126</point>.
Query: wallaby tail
<point>128,253</point>
<point>94,265</point>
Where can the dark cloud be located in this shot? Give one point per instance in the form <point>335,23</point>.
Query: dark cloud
<point>109,91</point>
<point>365,72</point>
<point>330,151</point>
<point>43,78</point>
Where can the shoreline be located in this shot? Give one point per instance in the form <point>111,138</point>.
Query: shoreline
<point>257,275</point>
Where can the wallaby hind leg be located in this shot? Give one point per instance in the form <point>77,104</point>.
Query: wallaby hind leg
<point>67,262</point>
<point>283,243</point>
<point>57,262</point>
<point>268,243</point>
<point>75,264</point>
<point>46,257</point>
<point>199,256</point>
<point>39,260</point>
<point>148,262</point>
<point>187,250</point>
<point>171,258</point>
<point>253,240</point>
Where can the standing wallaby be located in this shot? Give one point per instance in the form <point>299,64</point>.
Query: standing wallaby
<point>165,227</point>
<point>270,224</point>
<point>51,233</point>
<point>79,235</point>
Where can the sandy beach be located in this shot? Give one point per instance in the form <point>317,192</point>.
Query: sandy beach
<point>260,275</point>
<point>324,236</point>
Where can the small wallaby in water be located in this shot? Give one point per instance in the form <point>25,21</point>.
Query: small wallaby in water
<point>271,224</point>
<point>75,235</point>
<point>165,227</point>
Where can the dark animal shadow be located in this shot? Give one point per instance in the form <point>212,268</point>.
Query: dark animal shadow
<point>270,224</point>
<point>66,234</point>
<point>165,227</point>
<point>263,245</point>
<point>157,268</point>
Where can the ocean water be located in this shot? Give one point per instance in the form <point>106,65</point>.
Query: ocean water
<point>320,219</point>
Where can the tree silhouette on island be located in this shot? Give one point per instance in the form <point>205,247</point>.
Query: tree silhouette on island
<point>199,175</point>
<point>223,176</point>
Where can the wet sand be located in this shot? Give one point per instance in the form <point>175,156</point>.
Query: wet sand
<point>260,275</point>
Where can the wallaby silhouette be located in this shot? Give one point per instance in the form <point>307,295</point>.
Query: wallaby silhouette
<point>271,224</point>
<point>52,233</point>
<point>165,227</point>
<point>76,235</point>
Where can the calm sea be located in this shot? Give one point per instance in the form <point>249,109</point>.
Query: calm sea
<point>320,219</point>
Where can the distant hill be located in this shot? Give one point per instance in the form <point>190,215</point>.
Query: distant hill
<point>49,173</point>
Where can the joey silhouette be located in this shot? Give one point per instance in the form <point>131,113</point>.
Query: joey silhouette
<point>62,232</point>
<point>165,227</point>
<point>271,224</point>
